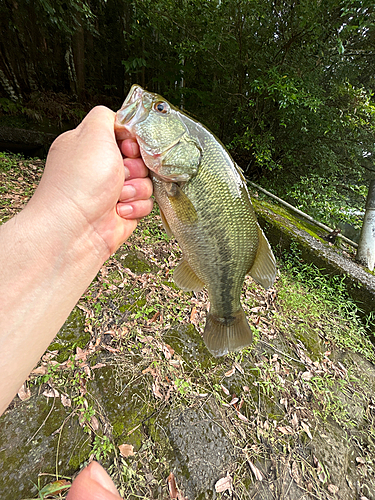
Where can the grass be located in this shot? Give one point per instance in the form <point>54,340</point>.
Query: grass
<point>305,374</point>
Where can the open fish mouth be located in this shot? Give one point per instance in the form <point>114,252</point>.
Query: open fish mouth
<point>132,111</point>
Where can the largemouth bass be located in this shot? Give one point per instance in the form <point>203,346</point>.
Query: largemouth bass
<point>204,203</point>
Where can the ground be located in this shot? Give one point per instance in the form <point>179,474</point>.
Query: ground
<point>128,382</point>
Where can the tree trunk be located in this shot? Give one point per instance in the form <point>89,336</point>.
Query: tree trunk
<point>366,245</point>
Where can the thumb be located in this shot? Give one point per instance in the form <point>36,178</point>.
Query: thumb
<point>93,483</point>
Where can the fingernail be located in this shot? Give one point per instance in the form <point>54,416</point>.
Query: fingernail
<point>128,192</point>
<point>127,172</point>
<point>124,210</point>
<point>100,476</point>
<point>135,149</point>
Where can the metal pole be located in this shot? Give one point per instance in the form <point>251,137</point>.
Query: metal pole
<point>366,245</point>
<point>299,212</point>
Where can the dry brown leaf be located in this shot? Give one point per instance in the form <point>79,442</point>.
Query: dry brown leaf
<point>167,351</point>
<point>49,355</point>
<point>294,421</point>
<point>24,393</point>
<point>94,423</point>
<point>126,450</point>
<point>284,401</point>
<point>65,400</point>
<point>258,475</point>
<point>40,370</point>
<point>172,487</point>
<point>306,376</point>
<point>225,390</point>
<point>98,365</point>
<point>360,460</point>
<point>194,315</point>
<point>234,401</point>
<point>223,484</point>
<point>332,488</point>
<point>294,472</point>
<point>285,429</point>
<point>238,367</point>
<point>51,393</point>
<point>230,372</point>
<point>242,417</point>
<point>156,390</point>
<point>306,428</point>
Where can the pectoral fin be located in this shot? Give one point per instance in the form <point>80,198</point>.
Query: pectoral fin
<point>183,207</point>
<point>168,230</point>
<point>263,269</point>
<point>186,279</point>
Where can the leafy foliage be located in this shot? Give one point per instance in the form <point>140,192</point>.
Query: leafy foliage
<point>287,86</point>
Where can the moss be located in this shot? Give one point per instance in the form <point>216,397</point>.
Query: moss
<point>71,334</point>
<point>133,260</point>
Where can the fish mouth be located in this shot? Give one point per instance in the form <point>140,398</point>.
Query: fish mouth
<point>132,111</point>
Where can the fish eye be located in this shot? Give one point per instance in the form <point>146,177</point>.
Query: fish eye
<point>162,107</point>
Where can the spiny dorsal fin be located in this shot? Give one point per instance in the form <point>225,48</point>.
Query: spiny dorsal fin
<point>186,279</point>
<point>263,270</point>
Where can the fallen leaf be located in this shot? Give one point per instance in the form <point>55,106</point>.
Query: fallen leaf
<point>98,365</point>
<point>360,460</point>
<point>242,417</point>
<point>294,421</point>
<point>51,393</point>
<point>223,484</point>
<point>40,370</point>
<point>238,367</point>
<point>65,400</point>
<point>172,487</point>
<point>306,428</point>
<point>294,472</point>
<point>94,423</point>
<point>333,488</point>
<point>285,429</point>
<point>49,355</point>
<point>156,390</point>
<point>258,475</point>
<point>193,315</point>
<point>306,376</point>
<point>126,450</point>
<point>24,393</point>
<point>167,351</point>
<point>234,401</point>
<point>284,401</point>
<point>230,372</point>
<point>225,390</point>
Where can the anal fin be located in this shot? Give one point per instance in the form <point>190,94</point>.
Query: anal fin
<point>263,269</point>
<point>186,279</point>
<point>223,335</point>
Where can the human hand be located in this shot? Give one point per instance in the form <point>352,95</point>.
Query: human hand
<point>90,188</point>
<point>93,483</point>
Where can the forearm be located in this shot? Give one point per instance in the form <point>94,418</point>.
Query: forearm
<point>45,271</point>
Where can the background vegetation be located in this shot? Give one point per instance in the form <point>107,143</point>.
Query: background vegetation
<point>287,85</point>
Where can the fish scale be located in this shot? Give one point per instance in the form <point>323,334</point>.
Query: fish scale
<point>205,204</point>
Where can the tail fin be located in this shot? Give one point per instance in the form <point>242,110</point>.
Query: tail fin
<point>222,335</point>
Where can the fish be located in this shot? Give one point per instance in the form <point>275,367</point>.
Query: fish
<point>205,204</point>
